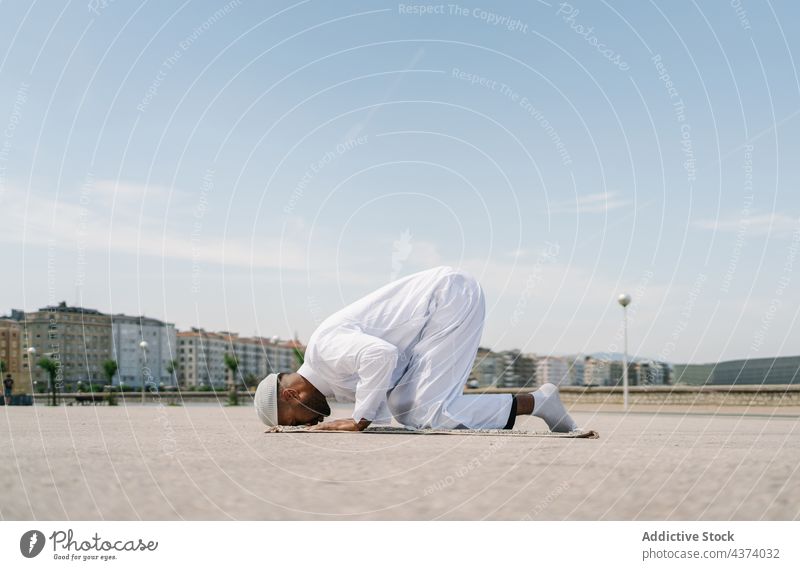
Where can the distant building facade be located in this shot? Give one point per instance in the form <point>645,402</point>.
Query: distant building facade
<point>597,372</point>
<point>134,365</point>
<point>281,355</point>
<point>779,370</point>
<point>485,368</point>
<point>11,355</point>
<point>505,369</point>
<point>617,373</point>
<point>577,370</point>
<point>641,372</point>
<point>517,370</point>
<point>553,370</point>
<point>250,356</point>
<point>201,357</point>
<point>81,340</point>
<point>653,373</point>
<point>78,339</point>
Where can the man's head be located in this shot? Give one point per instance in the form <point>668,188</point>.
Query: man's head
<point>288,399</point>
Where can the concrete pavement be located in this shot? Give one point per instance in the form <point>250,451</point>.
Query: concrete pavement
<point>211,462</point>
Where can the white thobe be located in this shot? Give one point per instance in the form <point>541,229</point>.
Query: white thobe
<point>408,347</point>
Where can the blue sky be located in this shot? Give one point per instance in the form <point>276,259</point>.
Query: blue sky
<point>252,166</point>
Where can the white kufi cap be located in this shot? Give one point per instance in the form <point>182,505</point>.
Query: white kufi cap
<point>267,400</point>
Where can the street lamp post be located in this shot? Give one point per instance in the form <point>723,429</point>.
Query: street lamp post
<point>274,364</point>
<point>31,358</point>
<point>143,346</point>
<point>625,300</point>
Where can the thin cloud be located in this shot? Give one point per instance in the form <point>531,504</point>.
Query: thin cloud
<point>597,203</point>
<point>88,225</point>
<point>761,224</point>
<point>124,194</point>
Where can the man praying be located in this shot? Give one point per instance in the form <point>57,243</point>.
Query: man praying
<point>404,351</point>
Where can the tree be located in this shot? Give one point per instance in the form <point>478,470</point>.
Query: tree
<point>299,356</point>
<point>251,380</point>
<point>172,367</point>
<point>232,364</point>
<point>51,367</point>
<point>110,368</point>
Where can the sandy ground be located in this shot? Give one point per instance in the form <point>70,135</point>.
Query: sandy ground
<point>209,462</point>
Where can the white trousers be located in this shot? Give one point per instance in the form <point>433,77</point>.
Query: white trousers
<point>430,394</point>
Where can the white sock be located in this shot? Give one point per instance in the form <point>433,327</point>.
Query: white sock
<point>547,405</point>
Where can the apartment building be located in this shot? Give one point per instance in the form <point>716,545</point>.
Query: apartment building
<point>78,339</point>
<point>136,365</point>
<point>11,354</point>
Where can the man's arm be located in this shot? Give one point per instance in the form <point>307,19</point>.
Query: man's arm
<point>374,363</point>
<point>348,424</point>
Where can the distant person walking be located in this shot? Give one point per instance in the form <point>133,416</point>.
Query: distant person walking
<point>8,386</point>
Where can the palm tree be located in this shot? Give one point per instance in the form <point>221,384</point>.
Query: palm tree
<point>51,367</point>
<point>299,356</point>
<point>233,365</point>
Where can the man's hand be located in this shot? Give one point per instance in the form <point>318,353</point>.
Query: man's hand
<point>348,424</point>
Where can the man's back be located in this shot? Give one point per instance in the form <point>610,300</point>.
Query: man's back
<point>396,312</point>
<point>408,347</point>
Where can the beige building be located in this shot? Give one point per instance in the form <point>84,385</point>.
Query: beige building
<point>11,354</point>
<point>597,372</point>
<point>78,339</point>
<point>201,357</point>
<point>552,369</point>
<point>281,354</point>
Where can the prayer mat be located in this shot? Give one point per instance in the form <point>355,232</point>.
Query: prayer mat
<point>577,434</point>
